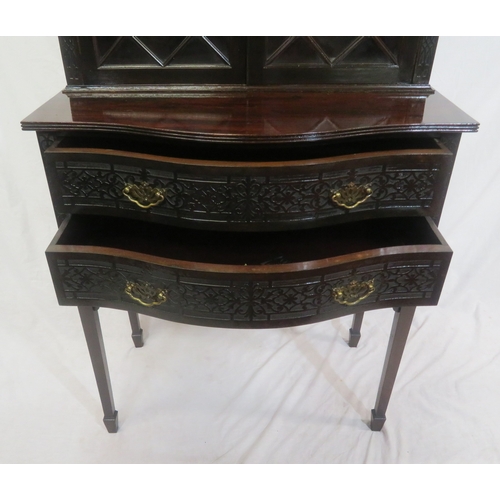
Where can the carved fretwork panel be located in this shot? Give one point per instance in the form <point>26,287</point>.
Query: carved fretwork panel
<point>70,50</point>
<point>247,199</point>
<point>231,301</point>
<point>46,139</point>
<point>425,58</point>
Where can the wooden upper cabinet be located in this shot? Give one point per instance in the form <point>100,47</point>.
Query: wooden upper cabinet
<point>343,60</point>
<point>141,61</point>
<point>176,63</point>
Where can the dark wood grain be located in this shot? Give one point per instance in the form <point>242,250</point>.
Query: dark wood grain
<point>93,335</point>
<point>246,188</point>
<point>397,341</point>
<point>207,279</point>
<point>254,117</point>
<point>108,62</point>
<point>248,253</point>
<point>154,64</point>
<point>357,60</point>
<point>245,144</point>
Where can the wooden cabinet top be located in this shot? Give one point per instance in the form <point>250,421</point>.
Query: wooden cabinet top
<point>254,116</point>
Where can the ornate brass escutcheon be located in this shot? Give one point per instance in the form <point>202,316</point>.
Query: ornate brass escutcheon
<point>143,194</point>
<point>352,195</point>
<point>145,293</point>
<point>354,292</point>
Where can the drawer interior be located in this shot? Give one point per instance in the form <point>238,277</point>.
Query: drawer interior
<point>241,153</point>
<point>244,248</point>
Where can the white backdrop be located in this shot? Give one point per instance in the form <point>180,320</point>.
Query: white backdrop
<point>297,395</point>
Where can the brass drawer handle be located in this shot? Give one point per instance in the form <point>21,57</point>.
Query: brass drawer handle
<point>145,293</point>
<point>354,292</point>
<point>352,195</point>
<point>144,195</point>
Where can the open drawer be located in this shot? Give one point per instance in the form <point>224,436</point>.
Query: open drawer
<point>248,187</point>
<point>251,280</point>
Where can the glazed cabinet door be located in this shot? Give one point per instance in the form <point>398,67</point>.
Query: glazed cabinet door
<point>372,60</point>
<point>145,62</point>
<point>153,60</point>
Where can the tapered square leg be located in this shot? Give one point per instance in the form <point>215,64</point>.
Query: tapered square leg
<point>137,333</point>
<point>403,318</point>
<point>111,423</point>
<point>93,335</point>
<point>377,422</point>
<point>355,330</point>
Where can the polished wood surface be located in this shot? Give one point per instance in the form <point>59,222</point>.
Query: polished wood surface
<point>255,117</point>
<point>245,253</point>
<point>247,188</point>
<point>199,277</point>
<point>93,335</point>
<point>215,148</point>
<point>397,342</point>
<point>154,64</point>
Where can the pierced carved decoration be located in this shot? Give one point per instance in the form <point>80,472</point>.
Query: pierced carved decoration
<point>246,198</point>
<point>247,300</point>
<point>45,140</point>
<point>425,59</point>
<point>70,55</point>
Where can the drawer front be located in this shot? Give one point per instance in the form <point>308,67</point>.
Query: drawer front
<point>248,301</point>
<point>249,195</point>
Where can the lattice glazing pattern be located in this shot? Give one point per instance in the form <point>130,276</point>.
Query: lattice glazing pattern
<point>161,51</point>
<point>330,50</point>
